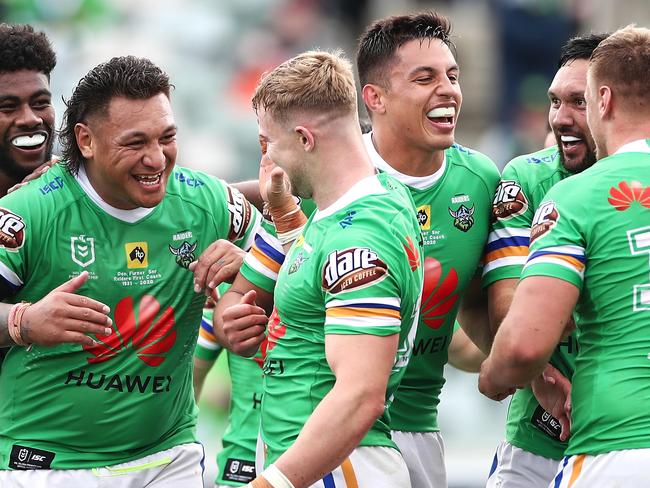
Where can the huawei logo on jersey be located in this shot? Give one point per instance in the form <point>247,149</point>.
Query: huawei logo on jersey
<point>150,333</point>
<point>438,293</point>
<point>276,330</point>
<point>413,254</point>
<point>621,198</point>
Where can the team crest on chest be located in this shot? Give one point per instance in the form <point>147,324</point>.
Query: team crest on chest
<point>184,253</point>
<point>463,217</point>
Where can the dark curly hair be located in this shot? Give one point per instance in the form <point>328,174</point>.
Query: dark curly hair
<point>23,48</point>
<point>381,40</point>
<point>580,47</point>
<point>124,76</point>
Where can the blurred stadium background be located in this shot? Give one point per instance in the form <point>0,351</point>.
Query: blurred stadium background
<point>215,51</point>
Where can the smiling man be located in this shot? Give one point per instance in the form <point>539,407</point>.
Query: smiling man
<point>410,86</point>
<point>103,258</point>
<point>590,243</point>
<point>26,111</point>
<point>530,454</point>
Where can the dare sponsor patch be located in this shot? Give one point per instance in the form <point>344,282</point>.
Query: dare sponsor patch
<point>545,219</point>
<point>353,268</point>
<point>12,230</point>
<point>509,200</point>
<point>240,214</point>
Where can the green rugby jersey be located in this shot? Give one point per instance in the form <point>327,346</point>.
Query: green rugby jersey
<point>593,230</point>
<point>524,182</point>
<point>356,269</point>
<point>130,395</point>
<point>453,209</point>
<point>236,460</point>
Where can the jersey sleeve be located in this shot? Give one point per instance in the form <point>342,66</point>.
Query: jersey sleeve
<point>362,282</point>
<point>263,261</point>
<point>19,222</point>
<point>243,219</point>
<point>507,245</point>
<point>266,256</point>
<point>557,241</point>
<point>207,346</point>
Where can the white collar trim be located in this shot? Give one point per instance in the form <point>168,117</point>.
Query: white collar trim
<point>367,186</point>
<point>418,182</point>
<point>640,145</point>
<point>129,216</point>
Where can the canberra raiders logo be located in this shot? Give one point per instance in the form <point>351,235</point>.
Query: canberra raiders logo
<point>463,217</point>
<point>184,253</point>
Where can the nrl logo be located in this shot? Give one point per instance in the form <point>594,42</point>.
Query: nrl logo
<point>82,250</point>
<point>184,253</point>
<point>463,217</point>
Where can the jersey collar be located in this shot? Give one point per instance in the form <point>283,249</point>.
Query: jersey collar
<point>418,182</point>
<point>367,186</point>
<point>640,145</point>
<point>129,216</point>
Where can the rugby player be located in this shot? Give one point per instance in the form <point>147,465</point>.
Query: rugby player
<point>530,454</point>
<point>102,312</point>
<point>338,340</point>
<point>26,111</point>
<point>410,83</point>
<point>589,251</point>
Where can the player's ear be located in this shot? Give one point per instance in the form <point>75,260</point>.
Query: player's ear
<point>373,97</point>
<point>605,101</point>
<point>306,138</point>
<point>84,137</point>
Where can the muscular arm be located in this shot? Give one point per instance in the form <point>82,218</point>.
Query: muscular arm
<point>528,335</point>
<point>5,339</point>
<point>500,294</point>
<point>251,190</point>
<point>238,325</point>
<point>473,315</point>
<point>347,412</point>
<point>60,317</point>
<point>464,354</point>
<point>201,370</point>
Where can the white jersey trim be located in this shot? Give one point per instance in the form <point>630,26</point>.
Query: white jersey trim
<point>367,186</point>
<point>417,182</point>
<point>9,275</point>
<point>497,234</point>
<point>507,261</point>
<point>129,216</point>
<point>640,145</point>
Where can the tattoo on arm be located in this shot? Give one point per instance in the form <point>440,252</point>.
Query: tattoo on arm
<point>5,338</point>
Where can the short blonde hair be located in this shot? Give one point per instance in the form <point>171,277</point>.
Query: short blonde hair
<point>314,80</point>
<point>622,60</point>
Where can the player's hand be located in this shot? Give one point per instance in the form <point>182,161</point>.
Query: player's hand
<point>275,187</point>
<point>244,325</point>
<point>259,482</point>
<point>62,316</point>
<point>219,263</point>
<point>42,169</point>
<point>553,392</point>
<point>488,385</point>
